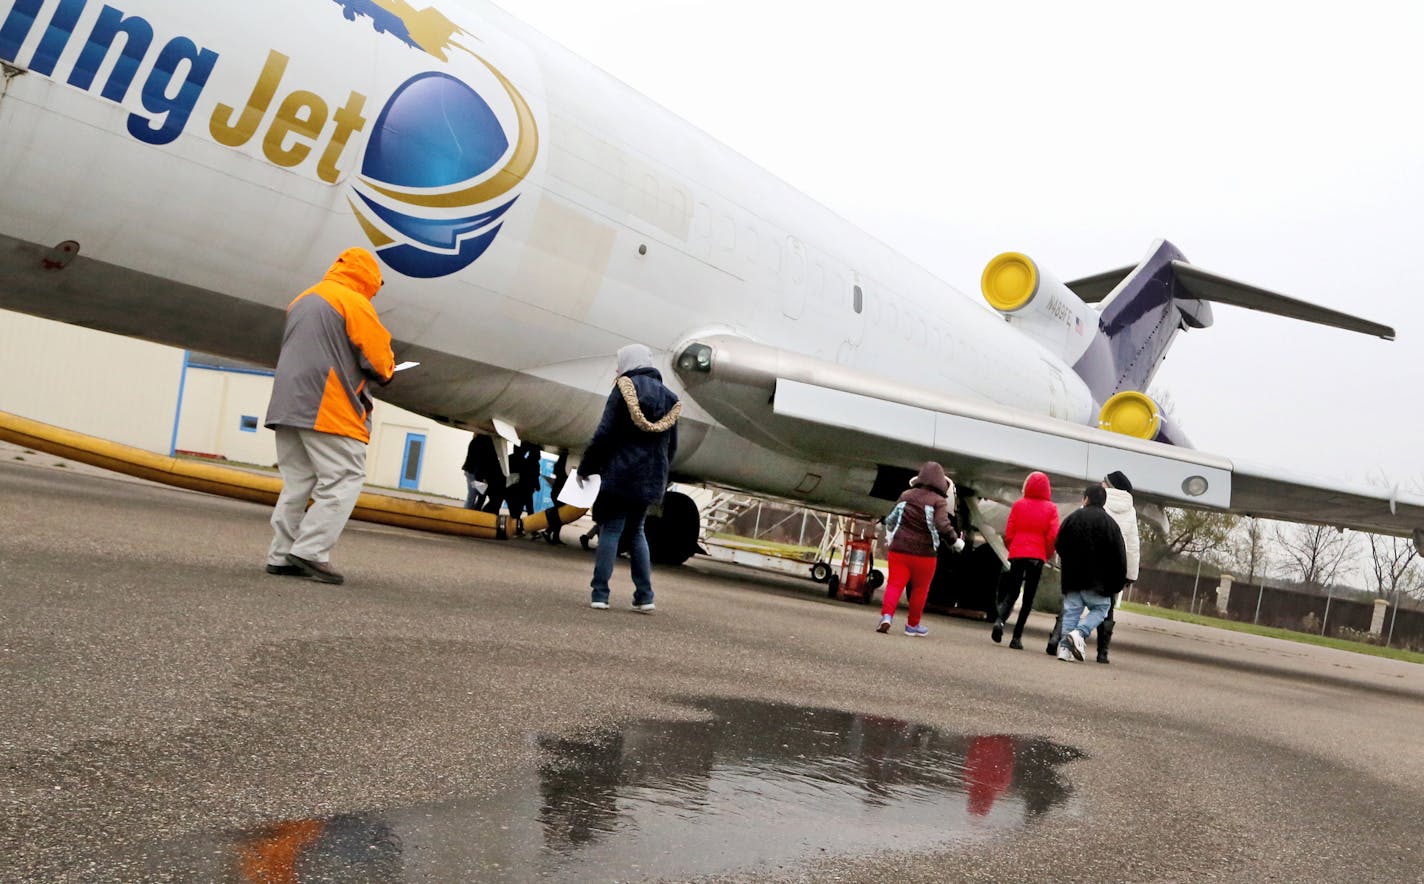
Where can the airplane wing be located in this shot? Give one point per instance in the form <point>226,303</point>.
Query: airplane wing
<point>788,401</point>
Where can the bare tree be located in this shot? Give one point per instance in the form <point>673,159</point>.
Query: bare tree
<point>1189,533</point>
<point>1314,554</point>
<point>1394,562</point>
<point>1247,553</point>
<point>1394,565</point>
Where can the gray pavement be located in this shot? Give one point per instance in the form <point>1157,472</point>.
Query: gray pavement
<point>170,712</point>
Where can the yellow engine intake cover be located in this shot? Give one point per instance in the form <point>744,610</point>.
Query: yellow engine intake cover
<point>1009,281</point>
<point>1132,414</point>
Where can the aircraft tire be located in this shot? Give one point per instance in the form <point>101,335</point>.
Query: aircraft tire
<point>672,536</point>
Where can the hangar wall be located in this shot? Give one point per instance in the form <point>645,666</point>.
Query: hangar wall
<point>163,399</point>
<point>110,386</point>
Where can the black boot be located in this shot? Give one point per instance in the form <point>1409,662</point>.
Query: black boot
<point>551,534</point>
<point>1105,632</point>
<point>1055,636</point>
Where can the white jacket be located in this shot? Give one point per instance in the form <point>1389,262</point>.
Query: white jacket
<point>1119,506</point>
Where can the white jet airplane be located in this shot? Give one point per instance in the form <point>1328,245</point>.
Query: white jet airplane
<point>178,171</point>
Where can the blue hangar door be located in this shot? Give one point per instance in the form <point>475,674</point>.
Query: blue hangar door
<point>410,462</point>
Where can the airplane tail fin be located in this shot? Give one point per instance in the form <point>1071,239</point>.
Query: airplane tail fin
<point>1144,307</point>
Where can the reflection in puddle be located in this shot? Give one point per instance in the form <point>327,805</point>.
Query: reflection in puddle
<point>755,785</point>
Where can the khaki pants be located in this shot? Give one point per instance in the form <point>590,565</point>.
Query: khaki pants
<point>326,469</point>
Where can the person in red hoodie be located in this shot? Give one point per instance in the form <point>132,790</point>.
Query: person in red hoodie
<point>1030,535</point>
<point>913,531</point>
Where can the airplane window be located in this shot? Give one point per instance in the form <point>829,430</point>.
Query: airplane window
<point>798,261</point>
<point>727,233</point>
<point>751,238</point>
<point>859,302</point>
<point>678,202</point>
<point>702,226</point>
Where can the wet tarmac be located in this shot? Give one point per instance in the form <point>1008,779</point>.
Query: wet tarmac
<point>751,786</point>
<point>456,712</point>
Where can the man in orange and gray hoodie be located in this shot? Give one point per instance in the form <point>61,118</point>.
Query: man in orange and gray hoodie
<point>332,347</point>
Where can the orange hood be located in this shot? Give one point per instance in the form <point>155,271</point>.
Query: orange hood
<point>357,270</point>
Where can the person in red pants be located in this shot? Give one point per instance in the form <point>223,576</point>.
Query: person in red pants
<point>914,530</point>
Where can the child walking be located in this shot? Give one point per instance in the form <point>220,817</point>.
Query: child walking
<point>913,531</point>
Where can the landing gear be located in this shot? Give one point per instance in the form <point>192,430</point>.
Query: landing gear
<point>672,536</point>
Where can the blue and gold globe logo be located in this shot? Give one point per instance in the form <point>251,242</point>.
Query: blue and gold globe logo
<point>440,168</point>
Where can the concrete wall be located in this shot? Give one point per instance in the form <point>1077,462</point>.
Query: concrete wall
<point>117,388</point>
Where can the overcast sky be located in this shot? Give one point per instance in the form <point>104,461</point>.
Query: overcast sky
<point>1281,144</point>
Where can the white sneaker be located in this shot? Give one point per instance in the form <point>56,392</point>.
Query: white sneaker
<point>1064,653</point>
<point>599,606</point>
<point>645,609</point>
<point>1075,644</point>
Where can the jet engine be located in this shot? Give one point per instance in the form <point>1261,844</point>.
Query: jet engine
<point>1132,414</point>
<point>1136,414</point>
<point>1039,305</point>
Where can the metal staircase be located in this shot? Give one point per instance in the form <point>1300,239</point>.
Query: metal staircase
<point>723,509</point>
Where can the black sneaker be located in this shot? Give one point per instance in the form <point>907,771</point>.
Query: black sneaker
<point>322,572</point>
<point>1016,644</point>
<point>998,634</point>
<point>286,570</point>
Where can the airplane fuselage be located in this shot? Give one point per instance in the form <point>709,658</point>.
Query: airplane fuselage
<point>215,159</point>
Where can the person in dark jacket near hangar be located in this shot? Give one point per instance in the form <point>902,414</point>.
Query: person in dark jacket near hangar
<point>525,474</point>
<point>1029,535</point>
<point>481,468</point>
<point>1094,566</point>
<point>913,532</point>
<point>631,451</point>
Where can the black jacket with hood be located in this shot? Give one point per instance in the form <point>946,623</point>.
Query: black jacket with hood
<point>1091,552</point>
<point>636,440</point>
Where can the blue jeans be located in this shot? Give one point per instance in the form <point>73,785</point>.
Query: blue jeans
<point>1073,617</point>
<point>610,530</point>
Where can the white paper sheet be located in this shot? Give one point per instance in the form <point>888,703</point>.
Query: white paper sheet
<point>574,495</point>
<point>404,365</point>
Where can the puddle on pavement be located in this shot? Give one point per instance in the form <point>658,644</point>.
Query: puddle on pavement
<point>755,785</point>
